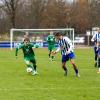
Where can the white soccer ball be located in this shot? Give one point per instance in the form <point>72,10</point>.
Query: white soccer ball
<point>29,70</point>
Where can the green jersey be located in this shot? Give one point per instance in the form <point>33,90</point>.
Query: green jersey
<point>51,40</point>
<point>27,50</point>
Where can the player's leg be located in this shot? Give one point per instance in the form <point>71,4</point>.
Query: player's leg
<point>49,54</point>
<point>75,67</point>
<point>98,61</point>
<point>96,56</point>
<point>49,49</point>
<point>64,59</point>
<point>71,57</point>
<point>52,56</point>
<point>98,64</point>
<point>33,61</point>
<point>28,64</point>
<point>52,49</point>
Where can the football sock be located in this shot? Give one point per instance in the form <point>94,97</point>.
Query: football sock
<point>99,62</point>
<point>96,56</point>
<point>65,69</point>
<point>29,66</point>
<point>75,68</point>
<point>34,65</point>
<point>95,64</point>
<point>52,57</point>
<point>76,71</point>
<point>49,55</point>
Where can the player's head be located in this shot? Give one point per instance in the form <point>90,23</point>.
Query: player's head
<point>26,41</point>
<point>58,35</point>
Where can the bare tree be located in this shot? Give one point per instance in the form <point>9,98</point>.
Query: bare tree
<point>37,9</point>
<point>95,13</point>
<point>80,17</point>
<point>10,8</point>
<point>55,14</point>
<point>49,14</point>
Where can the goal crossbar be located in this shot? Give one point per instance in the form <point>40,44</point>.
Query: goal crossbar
<point>29,30</point>
<point>57,29</point>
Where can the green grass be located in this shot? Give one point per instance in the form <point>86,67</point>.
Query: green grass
<point>50,84</point>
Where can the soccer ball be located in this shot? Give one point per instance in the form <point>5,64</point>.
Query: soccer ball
<point>29,70</point>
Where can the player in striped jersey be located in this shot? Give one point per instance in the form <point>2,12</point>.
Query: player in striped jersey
<point>65,45</point>
<point>95,39</point>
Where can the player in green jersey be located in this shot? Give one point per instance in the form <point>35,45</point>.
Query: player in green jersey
<point>29,56</point>
<point>51,45</point>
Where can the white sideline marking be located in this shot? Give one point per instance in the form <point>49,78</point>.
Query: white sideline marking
<point>30,89</point>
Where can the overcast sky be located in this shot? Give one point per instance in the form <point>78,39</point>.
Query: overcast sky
<point>70,0</point>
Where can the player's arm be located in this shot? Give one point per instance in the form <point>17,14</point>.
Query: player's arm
<point>48,39</point>
<point>93,38</point>
<point>95,41</point>
<point>57,50</point>
<point>18,47</point>
<point>34,46</point>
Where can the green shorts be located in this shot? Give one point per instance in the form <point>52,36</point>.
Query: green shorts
<point>30,59</point>
<point>51,47</point>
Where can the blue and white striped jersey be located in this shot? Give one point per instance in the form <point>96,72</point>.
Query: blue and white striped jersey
<point>65,45</point>
<point>96,37</point>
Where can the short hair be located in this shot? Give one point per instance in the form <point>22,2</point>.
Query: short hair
<point>27,39</point>
<point>57,34</point>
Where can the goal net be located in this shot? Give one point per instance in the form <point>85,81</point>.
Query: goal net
<point>38,36</point>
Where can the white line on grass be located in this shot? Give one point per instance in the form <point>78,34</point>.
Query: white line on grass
<point>31,89</point>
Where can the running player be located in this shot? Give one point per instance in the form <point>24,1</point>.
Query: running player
<point>29,56</point>
<point>65,45</point>
<point>51,45</point>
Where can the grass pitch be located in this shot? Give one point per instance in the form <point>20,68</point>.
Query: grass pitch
<point>50,84</point>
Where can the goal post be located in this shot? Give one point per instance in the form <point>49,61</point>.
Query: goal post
<point>68,32</point>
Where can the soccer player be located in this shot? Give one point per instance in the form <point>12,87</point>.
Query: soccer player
<point>95,39</point>
<point>51,45</point>
<point>98,59</point>
<point>25,36</point>
<point>29,56</point>
<point>97,36</point>
<point>65,45</point>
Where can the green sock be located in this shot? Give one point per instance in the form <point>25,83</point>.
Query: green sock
<point>52,57</point>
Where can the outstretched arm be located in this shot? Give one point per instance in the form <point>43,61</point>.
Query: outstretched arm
<point>93,38</point>
<point>19,47</point>
<point>57,50</point>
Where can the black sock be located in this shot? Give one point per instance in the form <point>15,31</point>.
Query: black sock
<point>65,69</point>
<point>76,71</point>
<point>34,67</point>
<point>96,56</point>
<point>49,55</point>
<point>75,68</point>
<point>99,62</point>
<point>95,64</point>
